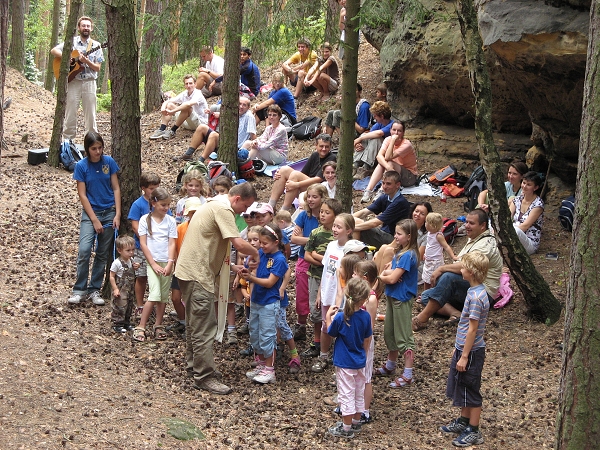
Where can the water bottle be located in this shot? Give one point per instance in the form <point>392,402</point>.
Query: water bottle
<point>233,178</point>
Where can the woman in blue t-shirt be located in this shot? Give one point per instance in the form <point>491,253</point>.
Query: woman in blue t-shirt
<point>100,195</point>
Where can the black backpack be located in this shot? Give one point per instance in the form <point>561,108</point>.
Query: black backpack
<point>473,187</point>
<point>307,128</point>
<point>566,213</point>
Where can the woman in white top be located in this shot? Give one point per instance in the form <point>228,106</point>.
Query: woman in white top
<point>516,170</point>
<point>527,210</point>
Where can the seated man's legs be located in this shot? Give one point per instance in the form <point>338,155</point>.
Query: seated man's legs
<point>211,143</point>
<point>450,288</point>
<point>374,236</point>
<point>332,121</point>
<point>284,175</point>
<point>299,83</point>
<point>203,79</point>
<point>200,136</point>
<point>369,154</point>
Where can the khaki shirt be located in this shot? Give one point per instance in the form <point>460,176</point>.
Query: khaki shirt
<point>486,244</point>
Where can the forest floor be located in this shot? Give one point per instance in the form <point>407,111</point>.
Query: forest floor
<point>67,381</point>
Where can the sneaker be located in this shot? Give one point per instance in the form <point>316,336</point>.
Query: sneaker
<point>468,438</point>
<point>366,198</point>
<point>364,419</point>
<point>212,385</point>
<point>243,329</point>
<point>320,365</point>
<point>265,377</point>
<point>169,134</point>
<point>454,427</point>
<point>158,134</point>
<point>294,365</point>
<point>378,194</point>
<point>75,298</point>
<point>257,362</point>
<point>338,431</point>
<point>184,157</point>
<point>254,372</point>
<point>311,351</point>
<point>248,351</point>
<point>130,327</point>
<point>356,427</point>
<point>232,338</point>
<point>299,332</point>
<point>119,329</point>
<point>177,327</point>
<point>96,298</point>
<point>337,410</point>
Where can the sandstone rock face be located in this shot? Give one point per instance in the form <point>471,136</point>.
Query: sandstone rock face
<point>536,55</point>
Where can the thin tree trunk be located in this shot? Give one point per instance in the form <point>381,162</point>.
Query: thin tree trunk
<point>17,42</point>
<point>231,88</point>
<point>141,21</point>
<point>3,52</point>
<point>347,130</point>
<point>154,63</point>
<point>578,419</point>
<point>331,22</point>
<point>541,303</point>
<point>49,80</point>
<point>61,84</point>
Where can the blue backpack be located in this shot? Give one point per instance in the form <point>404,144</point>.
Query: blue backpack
<point>69,155</point>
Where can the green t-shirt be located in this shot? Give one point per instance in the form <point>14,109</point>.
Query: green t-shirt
<point>317,241</point>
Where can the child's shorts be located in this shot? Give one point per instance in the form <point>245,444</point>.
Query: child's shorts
<point>397,328</point>
<point>464,387</point>
<point>282,325</point>
<point>158,285</point>
<point>138,254</point>
<point>429,267</point>
<point>175,283</point>
<point>313,289</point>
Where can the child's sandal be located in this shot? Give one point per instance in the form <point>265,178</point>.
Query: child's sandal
<point>401,382</point>
<point>159,333</point>
<point>139,334</point>
<point>383,372</point>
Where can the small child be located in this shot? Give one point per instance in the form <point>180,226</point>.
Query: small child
<point>434,249</point>
<point>194,185</point>
<point>283,219</point>
<point>464,378</point>
<point>265,301</point>
<point>264,215</point>
<point>158,236</point>
<point>353,331</point>
<point>315,248</point>
<point>401,280</point>
<point>221,185</point>
<point>122,281</point>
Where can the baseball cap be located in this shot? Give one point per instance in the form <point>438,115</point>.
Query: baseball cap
<point>191,204</point>
<point>354,246</point>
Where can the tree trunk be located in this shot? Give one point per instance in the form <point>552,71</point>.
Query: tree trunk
<point>49,80</point>
<point>347,130</point>
<point>331,22</point>
<point>155,61</point>
<point>17,42</point>
<point>61,84</point>
<point>3,52</point>
<point>141,21</point>
<point>125,111</point>
<point>578,419</point>
<point>541,303</point>
<point>231,84</point>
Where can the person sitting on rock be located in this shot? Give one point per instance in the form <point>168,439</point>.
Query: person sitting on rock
<point>207,75</point>
<point>397,153</point>
<point>367,145</point>
<point>279,96</point>
<point>272,145</point>
<point>389,209</point>
<point>296,67</point>
<point>294,181</point>
<point>189,109</point>
<point>363,116</point>
<point>324,75</point>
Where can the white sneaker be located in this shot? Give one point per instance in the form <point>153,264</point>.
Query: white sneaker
<point>254,372</point>
<point>96,298</point>
<point>158,134</point>
<point>265,377</point>
<point>75,298</point>
<point>378,194</point>
<point>366,196</point>
<point>168,134</point>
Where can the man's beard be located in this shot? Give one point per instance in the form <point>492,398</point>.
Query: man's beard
<point>85,33</point>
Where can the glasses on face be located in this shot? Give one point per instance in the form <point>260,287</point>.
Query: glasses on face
<point>273,115</point>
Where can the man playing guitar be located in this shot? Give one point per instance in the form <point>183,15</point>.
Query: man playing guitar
<point>83,86</point>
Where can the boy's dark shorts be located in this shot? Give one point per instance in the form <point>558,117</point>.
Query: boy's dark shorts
<point>464,387</point>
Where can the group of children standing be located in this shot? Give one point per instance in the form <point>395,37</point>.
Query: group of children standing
<point>337,289</point>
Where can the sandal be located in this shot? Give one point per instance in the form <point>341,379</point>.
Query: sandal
<point>159,333</point>
<point>417,325</point>
<point>383,372</point>
<point>453,320</point>
<point>139,334</point>
<point>401,382</point>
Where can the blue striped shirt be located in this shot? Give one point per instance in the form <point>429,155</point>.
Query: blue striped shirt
<point>476,307</point>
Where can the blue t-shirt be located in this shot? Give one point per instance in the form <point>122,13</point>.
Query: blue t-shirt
<point>406,287</point>
<point>363,118</point>
<point>307,224</point>
<point>96,177</point>
<point>272,263</point>
<point>386,129</point>
<point>139,208</point>
<point>390,212</point>
<point>285,100</point>
<point>285,301</point>
<point>348,350</point>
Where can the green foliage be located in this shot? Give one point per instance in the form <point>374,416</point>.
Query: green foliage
<point>104,102</point>
<point>376,13</point>
<point>173,75</point>
<point>31,71</point>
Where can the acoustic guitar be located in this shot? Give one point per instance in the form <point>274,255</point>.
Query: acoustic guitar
<point>74,66</point>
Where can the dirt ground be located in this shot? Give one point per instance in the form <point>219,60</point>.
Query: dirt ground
<point>67,381</point>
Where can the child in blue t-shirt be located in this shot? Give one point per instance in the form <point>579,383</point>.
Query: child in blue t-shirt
<point>464,378</point>
<point>352,330</point>
<point>264,302</point>
<point>401,290</point>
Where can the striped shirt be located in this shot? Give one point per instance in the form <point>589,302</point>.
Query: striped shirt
<point>476,307</point>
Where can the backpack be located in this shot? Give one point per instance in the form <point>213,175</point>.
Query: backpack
<point>216,169</point>
<point>440,176</point>
<point>449,229</point>
<point>246,170</point>
<point>307,128</point>
<point>189,166</point>
<point>69,155</point>
<point>473,187</point>
<point>566,213</point>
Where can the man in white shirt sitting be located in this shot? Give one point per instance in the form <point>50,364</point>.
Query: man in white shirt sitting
<point>207,75</point>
